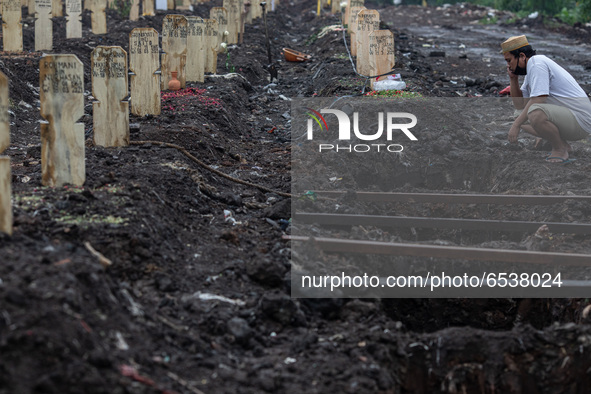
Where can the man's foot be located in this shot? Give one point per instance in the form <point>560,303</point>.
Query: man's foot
<point>559,160</point>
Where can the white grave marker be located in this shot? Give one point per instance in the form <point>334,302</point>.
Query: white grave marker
<point>61,81</point>
<point>234,16</point>
<point>98,19</point>
<point>109,88</point>
<point>381,52</point>
<point>73,20</point>
<point>148,7</point>
<point>211,45</point>
<point>195,49</point>
<point>12,29</point>
<point>5,196</point>
<point>174,45</point>
<point>43,26</point>
<point>367,22</point>
<point>134,11</point>
<point>4,116</point>
<point>57,8</point>
<point>220,14</point>
<point>144,62</point>
<point>353,26</point>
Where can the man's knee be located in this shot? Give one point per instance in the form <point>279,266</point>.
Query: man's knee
<point>536,117</point>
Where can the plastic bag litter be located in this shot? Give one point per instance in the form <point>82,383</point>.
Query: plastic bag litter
<point>390,82</point>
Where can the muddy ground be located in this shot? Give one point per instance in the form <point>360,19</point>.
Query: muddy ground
<point>195,303</point>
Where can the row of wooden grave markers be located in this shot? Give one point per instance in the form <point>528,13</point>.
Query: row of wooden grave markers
<point>5,173</point>
<point>374,49</point>
<point>61,81</point>
<point>231,18</point>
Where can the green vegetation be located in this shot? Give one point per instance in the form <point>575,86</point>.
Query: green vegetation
<point>568,11</point>
<point>123,7</point>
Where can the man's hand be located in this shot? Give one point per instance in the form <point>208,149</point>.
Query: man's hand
<point>511,74</point>
<point>513,133</point>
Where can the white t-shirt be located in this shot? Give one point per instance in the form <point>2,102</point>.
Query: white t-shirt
<point>545,77</point>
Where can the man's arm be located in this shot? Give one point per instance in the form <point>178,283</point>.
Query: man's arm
<point>522,118</point>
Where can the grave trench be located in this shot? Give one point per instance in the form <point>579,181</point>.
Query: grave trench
<point>467,176</point>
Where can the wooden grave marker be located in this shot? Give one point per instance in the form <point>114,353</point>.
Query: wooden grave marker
<point>43,26</point>
<point>367,22</point>
<point>184,6</point>
<point>234,17</point>
<point>134,11</point>
<point>144,62</point>
<point>174,46</point>
<point>211,45</point>
<point>148,7</point>
<point>348,13</point>
<point>4,116</point>
<point>98,18</point>
<point>109,87</point>
<point>5,173</point>
<point>5,196</point>
<point>353,24</point>
<point>57,8</point>
<point>31,6</point>
<point>381,53</point>
<point>220,14</point>
<point>12,29</point>
<point>61,81</point>
<point>195,66</point>
<point>335,7</point>
<point>73,19</point>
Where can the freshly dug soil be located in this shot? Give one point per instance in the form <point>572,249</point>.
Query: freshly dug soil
<point>195,301</point>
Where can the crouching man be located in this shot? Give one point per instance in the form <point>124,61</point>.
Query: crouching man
<point>554,107</point>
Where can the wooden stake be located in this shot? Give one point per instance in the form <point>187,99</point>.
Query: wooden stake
<point>381,53</point>
<point>211,45</point>
<point>367,22</point>
<point>5,196</point>
<point>195,49</point>
<point>98,18</point>
<point>144,62</point>
<point>73,20</point>
<point>61,81</point>
<point>109,88</point>
<point>4,116</point>
<point>220,14</point>
<point>43,26</point>
<point>174,45</point>
<point>12,29</point>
